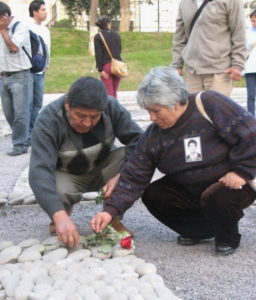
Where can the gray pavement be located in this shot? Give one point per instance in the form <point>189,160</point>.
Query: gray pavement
<point>193,273</point>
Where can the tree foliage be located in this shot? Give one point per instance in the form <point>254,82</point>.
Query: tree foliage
<point>74,8</point>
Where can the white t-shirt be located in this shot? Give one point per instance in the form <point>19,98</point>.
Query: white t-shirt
<point>250,64</point>
<point>199,3</point>
<point>13,62</point>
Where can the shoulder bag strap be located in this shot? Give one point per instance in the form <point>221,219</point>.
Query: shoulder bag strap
<point>197,14</point>
<point>106,45</point>
<point>201,109</point>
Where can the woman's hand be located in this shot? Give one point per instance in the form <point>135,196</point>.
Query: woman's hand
<point>232,180</point>
<point>104,75</point>
<point>100,221</point>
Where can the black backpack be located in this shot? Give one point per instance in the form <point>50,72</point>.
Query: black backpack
<point>38,56</point>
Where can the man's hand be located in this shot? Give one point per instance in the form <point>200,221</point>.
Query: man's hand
<point>100,221</point>
<point>65,229</point>
<point>232,180</point>
<point>4,22</point>
<point>104,75</point>
<point>180,72</point>
<point>234,73</point>
<point>110,185</point>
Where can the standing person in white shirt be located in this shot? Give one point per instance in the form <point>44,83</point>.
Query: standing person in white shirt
<point>250,65</point>
<point>15,78</point>
<point>213,53</point>
<point>38,13</point>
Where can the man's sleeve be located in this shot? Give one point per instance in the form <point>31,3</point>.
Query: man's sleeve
<point>237,128</point>
<point>179,41</point>
<point>42,170</point>
<point>135,178</point>
<point>236,20</point>
<point>98,53</point>
<point>125,129</point>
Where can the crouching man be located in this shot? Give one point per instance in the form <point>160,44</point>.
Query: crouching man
<point>73,152</point>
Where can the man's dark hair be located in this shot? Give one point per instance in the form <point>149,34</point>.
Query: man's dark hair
<point>4,9</point>
<point>87,92</point>
<point>35,6</point>
<point>192,142</point>
<point>253,13</point>
<point>103,22</point>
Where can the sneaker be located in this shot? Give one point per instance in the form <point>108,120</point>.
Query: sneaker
<point>224,249</point>
<point>17,151</point>
<point>185,241</point>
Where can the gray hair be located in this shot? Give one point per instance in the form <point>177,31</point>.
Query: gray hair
<point>162,86</point>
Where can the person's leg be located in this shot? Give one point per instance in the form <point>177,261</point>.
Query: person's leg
<point>194,82</point>
<point>108,82</point>
<point>116,82</point>
<point>19,86</point>
<point>37,101</point>
<point>178,209</point>
<point>222,83</point>
<point>250,79</point>
<point>7,102</point>
<point>224,208</point>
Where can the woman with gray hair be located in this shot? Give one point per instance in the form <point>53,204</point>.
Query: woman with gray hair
<point>198,198</point>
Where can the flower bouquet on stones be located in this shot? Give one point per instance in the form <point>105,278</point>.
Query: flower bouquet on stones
<point>109,243</point>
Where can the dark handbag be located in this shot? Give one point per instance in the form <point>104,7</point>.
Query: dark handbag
<point>118,67</point>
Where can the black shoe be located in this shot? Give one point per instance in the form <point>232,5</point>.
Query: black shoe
<point>184,241</point>
<point>17,151</point>
<point>224,249</point>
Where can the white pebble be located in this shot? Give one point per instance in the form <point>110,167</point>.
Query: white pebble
<point>5,244</point>
<point>105,291</point>
<point>85,279</point>
<point>119,251</point>
<point>80,254</point>
<point>135,297</point>
<point>2,295</point>
<point>35,296</point>
<point>74,297</point>
<point>90,195</point>
<point>43,289</point>
<point>9,283</point>
<point>145,268</point>
<point>70,286</point>
<point>100,255</point>
<point>85,290</point>
<point>58,295</point>
<point>21,292</point>
<point>29,254</point>
<point>154,280</point>
<point>9,255</point>
<point>55,255</point>
<point>97,284</point>
<point>118,296</point>
<point>28,243</point>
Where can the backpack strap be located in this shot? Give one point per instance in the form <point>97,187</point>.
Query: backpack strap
<point>200,107</point>
<point>14,26</point>
<point>197,14</point>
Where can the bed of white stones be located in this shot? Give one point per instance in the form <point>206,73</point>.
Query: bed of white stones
<point>32,270</point>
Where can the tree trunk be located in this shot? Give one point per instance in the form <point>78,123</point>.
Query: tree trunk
<point>125,15</point>
<point>93,27</point>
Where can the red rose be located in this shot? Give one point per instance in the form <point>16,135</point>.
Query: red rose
<point>126,243</point>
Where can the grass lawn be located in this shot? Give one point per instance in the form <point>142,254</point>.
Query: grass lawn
<point>70,58</point>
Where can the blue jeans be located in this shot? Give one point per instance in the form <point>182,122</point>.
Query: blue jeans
<point>250,79</point>
<point>37,98</point>
<point>16,99</point>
